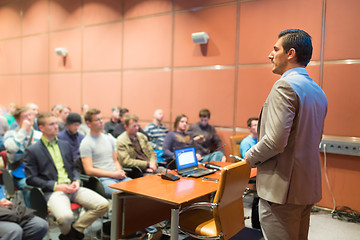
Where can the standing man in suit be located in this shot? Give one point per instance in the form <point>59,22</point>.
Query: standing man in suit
<point>290,129</point>
<point>49,165</point>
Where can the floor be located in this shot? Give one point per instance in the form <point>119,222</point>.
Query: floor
<point>322,226</point>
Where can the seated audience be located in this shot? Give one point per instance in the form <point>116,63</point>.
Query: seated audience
<point>114,120</point>
<point>250,140</point>
<point>98,153</point>
<point>178,139</point>
<point>34,110</point>
<point>63,113</point>
<point>4,126</point>
<point>25,228</point>
<point>206,138</point>
<point>134,149</point>
<point>119,129</point>
<point>71,135</point>
<point>16,142</point>
<point>157,131</point>
<point>9,115</point>
<point>49,165</point>
<point>2,146</point>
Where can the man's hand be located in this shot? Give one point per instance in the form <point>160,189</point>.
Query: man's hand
<point>26,125</point>
<point>152,167</point>
<point>76,185</point>
<point>199,139</point>
<point>198,157</point>
<point>246,160</point>
<point>66,188</point>
<point>119,174</point>
<point>5,203</point>
<point>223,159</point>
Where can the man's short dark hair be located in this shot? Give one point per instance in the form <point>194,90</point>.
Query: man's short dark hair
<point>177,120</point>
<point>123,111</point>
<point>250,120</point>
<point>300,41</point>
<point>90,113</point>
<point>41,118</point>
<point>204,113</point>
<point>129,117</point>
<point>19,111</point>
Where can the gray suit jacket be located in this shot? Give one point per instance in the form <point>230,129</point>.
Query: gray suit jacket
<point>290,130</point>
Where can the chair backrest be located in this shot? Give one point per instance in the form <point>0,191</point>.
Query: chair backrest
<point>90,182</point>
<point>229,213</point>
<point>235,144</point>
<point>8,181</point>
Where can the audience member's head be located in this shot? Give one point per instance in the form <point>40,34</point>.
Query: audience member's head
<point>63,113</point>
<point>48,125</point>
<point>73,121</point>
<point>22,114</point>
<point>84,108</point>
<point>123,112</point>
<point>204,116</point>
<point>34,109</point>
<point>158,115</point>
<point>252,126</point>
<point>115,114</point>
<point>131,124</point>
<point>12,107</point>
<point>94,120</point>
<point>90,113</point>
<point>180,123</point>
<point>55,109</point>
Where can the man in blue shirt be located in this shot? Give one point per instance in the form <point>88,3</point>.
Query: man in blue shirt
<point>250,140</point>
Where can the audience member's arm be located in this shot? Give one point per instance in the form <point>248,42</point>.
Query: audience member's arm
<point>32,173</point>
<point>14,139</point>
<point>126,160</point>
<point>167,146</point>
<point>91,171</point>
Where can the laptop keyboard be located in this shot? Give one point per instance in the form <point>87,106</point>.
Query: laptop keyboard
<point>194,171</point>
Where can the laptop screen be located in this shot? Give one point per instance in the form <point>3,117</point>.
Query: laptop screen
<point>185,158</point>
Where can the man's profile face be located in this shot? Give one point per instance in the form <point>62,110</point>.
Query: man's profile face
<point>159,115</point>
<point>253,127</point>
<point>64,113</point>
<point>116,113</point>
<point>97,122</point>
<point>50,128</point>
<point>204,121</point>
<point>279,58</point>
<point>133,128</point>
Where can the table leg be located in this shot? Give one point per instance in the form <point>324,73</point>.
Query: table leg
<point>174,224</point>
<point>114,218</point>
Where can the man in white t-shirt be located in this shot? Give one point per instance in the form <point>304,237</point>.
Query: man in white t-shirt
<point>98,153</point>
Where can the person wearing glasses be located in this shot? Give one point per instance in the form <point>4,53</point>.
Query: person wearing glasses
<point>98,153</point>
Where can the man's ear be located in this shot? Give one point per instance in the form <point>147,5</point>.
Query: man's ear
<point>88,123</point>
<point>41,127</point>
<point>291,54</point>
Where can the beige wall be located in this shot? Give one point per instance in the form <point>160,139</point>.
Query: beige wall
<point>139,54</point>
